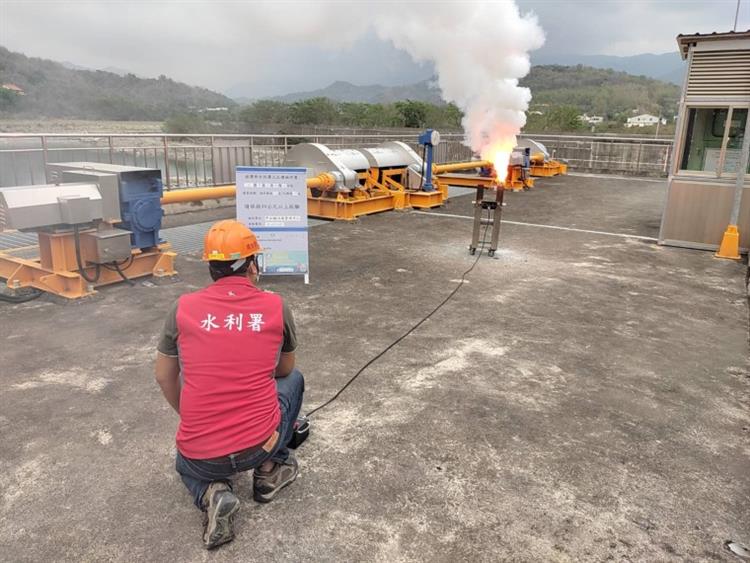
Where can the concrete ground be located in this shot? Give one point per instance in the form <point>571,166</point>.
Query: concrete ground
<point>583,397</point>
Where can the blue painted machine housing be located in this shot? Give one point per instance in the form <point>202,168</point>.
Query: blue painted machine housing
<point>140,206</point>
<point>425,139</point>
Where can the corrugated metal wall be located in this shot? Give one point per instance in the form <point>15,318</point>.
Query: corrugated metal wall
<point>719,73</point>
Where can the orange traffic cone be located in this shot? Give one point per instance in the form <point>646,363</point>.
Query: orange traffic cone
<point>730,244</point>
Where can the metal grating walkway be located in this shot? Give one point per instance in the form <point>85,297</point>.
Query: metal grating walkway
<point>16,240</point>
<point>187,239</point>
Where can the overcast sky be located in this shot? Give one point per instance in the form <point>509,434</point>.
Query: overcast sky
<point>257,49</point>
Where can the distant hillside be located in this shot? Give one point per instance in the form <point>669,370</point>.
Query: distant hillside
<point>668,67</point>
<point>340,91</point>
<point>54,90</point>
<point>600,91</point>
<point>592,90</point>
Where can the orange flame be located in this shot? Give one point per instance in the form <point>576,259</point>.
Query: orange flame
<point>499,153</point>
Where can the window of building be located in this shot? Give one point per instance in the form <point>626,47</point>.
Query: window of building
<point>734,143</point>
<point>704,149</point>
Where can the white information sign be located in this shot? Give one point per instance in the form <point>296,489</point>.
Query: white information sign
<point>273,203</point>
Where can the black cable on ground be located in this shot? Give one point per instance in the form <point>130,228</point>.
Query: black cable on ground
<point>412,329</point>
<point>81,269</point>
<point>15,299</point>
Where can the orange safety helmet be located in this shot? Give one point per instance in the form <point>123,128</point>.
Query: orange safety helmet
<point>229,240</point>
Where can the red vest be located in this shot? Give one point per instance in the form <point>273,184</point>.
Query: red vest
<point>229,337</point>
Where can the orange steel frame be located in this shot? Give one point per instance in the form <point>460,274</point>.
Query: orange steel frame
<point>378,190</point>
<point>515,180</point>
<point>56,269</point>
<point>549,168</point>
<point>466,181</point>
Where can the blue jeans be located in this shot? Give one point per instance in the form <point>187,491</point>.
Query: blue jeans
<point>198,474</point>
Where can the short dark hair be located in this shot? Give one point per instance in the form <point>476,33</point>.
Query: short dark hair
<point>222,268</point>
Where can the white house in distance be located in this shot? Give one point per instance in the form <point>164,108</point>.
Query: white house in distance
<point>645,120</point>
<point>591,119</point>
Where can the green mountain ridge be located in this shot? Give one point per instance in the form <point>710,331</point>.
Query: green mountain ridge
<point>63,90</point>
<point>342,91</point>
<point>603,92</point>
<point>54,90</point>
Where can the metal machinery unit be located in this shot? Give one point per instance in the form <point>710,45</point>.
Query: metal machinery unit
<point>362,181</point>
<point>96,224</point>
<point>139,192</point>
<point>347,183</point>
<point>519,171</point>
<point>486,181</point>
<point>540,161</point>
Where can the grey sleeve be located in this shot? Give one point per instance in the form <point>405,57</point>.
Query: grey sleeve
<point>290,330</point>
<point>168,338</point>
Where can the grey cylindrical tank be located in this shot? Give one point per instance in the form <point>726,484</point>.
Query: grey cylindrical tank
<point>319,158</point>
<point>348,163</point>
<point>396,154</point>
<point>535,147</point>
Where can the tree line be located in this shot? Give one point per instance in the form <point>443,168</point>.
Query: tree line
<point>320,111</point>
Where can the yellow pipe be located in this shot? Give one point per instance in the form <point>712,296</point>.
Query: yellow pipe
<point>322,181</point>
<point>537,158</point>
<point>455,166</point>
<point>197,194</point>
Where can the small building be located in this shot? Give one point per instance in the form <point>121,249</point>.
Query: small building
<point>705,193</point>
<point>591,119</point>
<point>645,120</point>
<point>13,88</point>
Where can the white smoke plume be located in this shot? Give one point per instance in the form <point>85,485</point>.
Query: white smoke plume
<point>480,50</point>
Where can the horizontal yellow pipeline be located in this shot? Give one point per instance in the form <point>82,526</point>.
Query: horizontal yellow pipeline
<point>456,166</point>
<point>197,194</point>
<point>322,181</point>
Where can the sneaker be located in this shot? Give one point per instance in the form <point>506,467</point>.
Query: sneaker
<point>267,484</point>
<point>221,505</point>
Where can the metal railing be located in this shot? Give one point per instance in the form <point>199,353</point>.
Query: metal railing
<point>206,160</point>
<point>185,160</point>
<point>638,156</point>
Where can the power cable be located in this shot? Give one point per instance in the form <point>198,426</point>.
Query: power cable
<point>117,267</point>
<point>81,269</point>
<point>15,299</point>
<point>413,328</point>
<point>125,278</point>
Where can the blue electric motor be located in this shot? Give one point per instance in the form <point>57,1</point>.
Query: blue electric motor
<point>138,193</point>
<point>140,206</point>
